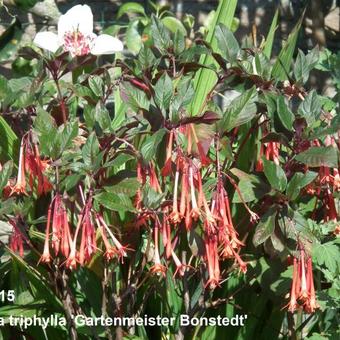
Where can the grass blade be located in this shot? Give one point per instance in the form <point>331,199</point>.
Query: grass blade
<point>267,51</point>
<point>205,79</point>
<point>284,60</point>
<point>9,142</point>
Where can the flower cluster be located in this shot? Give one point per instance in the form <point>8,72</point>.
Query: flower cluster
<point>31,164</point>
<point>73,248</point>
<point>302,294</point>
<point>190,204</point>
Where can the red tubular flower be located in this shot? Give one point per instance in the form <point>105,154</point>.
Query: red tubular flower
<point>88,239</point>
<point>166,235</point>
<point>180,267</point>
<point>195,212</point>
<point>272,152</point>
<point>302,289</point>
<point>154,184</point>
<point>44,186</point>
<point>57,222</point>
<point>303,293</point>
<point>205,161</point>
<point>66,238</point>
<point>20,186</point>
<point>184,191</point>
<point>16,242</point>
<point>141,179</point>
<point>157,268</point>
<point>166,170</point>
<point>331,213</point>
<point>212,259</point>
<point>175,216</point>
<point>46,256</point>
<point>311,305</point>
<point>31,164</point>
<point>120,250</point>
<point>110,252</point>
<point>71,261</point>
<point>293,305</point>
<point>259,162</point>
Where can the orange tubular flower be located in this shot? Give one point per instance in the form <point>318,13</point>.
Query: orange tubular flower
<point>180,267</point>
<point>157,268</point>
<point>293,305</point>
<point>175,215</point>
<point>212,260</point>
<point>119,249</point>
<point>110,252</point>
<point>31,164</point>
<point>154,184</point>
<point>20,186</point>
<point>46,256</point>
<point>202,154</point>
<point>88,239</point>
<point>302,289</point>
<point>195,212</point>
<point>311,305</point>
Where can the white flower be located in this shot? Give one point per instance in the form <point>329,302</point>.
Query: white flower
<point>75,34</point>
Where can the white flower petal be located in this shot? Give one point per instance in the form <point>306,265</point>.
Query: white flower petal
<point>79,17</point>
<point>106,44</point>
<point>47,40</point>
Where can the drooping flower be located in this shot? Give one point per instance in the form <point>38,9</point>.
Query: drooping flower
<point>302,294</point>
<point>20,185</point>
<point>271,152</point>
<point>46,256</point>
<point>157,267</point>
<point>75,34</point>
<point>31,164</point>
<point>88,243</point>
<point>16,241</point>
<point>117,249</point>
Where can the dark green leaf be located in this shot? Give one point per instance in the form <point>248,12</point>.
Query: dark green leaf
<point>163,91</point>
<point>251,188</point>
<point>319,156</point>
<point>265,227</point>
<point>102,116</point>
<point>146,57</point>
<point>133,38</point>
<point>130,7</point>
<point>241,110</point>
<point>285,114</point>
<point>227,42</point>
<point>310,108</point>
<point>301,68</point>
<point>174,25</point>
<point>134,97</point>
<point>327,254</point>
<point>90,150</point>
<point>151,198</point>
<point>127,186</point>
<point>150,145</point>
<point>115,202</point>
<point>275,175</point>
<point>299,181</point>
<point>5,174</point>
<point>160,34</point>
<point>96,85</point>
